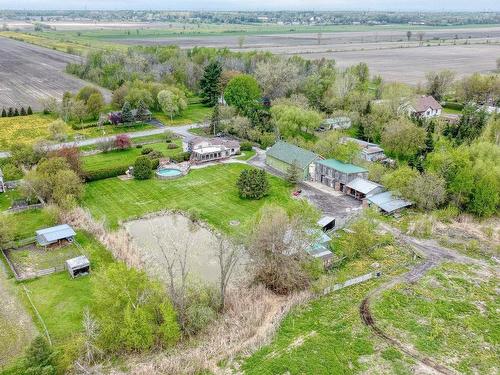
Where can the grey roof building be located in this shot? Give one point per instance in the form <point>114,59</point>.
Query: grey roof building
<point>78,266</point>
<point>334,173</point>
<point>361,188</point>
<point>49,236</point>
<point>388,203</point>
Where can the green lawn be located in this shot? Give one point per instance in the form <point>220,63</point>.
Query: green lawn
<point>194,113</point>
<point>107,130</point>
<point>245,155</point>
<point>452,111</point>
<point>117,158</point>
<point>450,315</point>
<point>60,299</point>
<point>211,191</point>
<point>327,336</point>
<point>7,198</point>
<point>26,223</point>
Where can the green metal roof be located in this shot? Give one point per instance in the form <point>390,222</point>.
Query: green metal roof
<point>289,154</point>
<point>342,167</point>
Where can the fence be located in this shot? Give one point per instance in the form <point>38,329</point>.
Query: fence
<point>26,208</point>
<point>350,282</point>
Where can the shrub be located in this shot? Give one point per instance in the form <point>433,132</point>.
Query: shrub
<point>11,172</point>
<point>105,146</point>
<point>246,146</point>
<point>122,142</point>
<point>142,168</point>
<point>40,358</point>
<point>138,146</point>
<point>146,151</point>
<point>155,155</point>
<point>179,158</point>
<point>172,146</point>
<point>253,184</point>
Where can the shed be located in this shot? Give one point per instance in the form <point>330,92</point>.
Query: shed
<point>326,223</point>
<point>78,266</point>
<point>283,155</point>
<point>388,203</point>
<point>361,188</point>
<point>49,236</point>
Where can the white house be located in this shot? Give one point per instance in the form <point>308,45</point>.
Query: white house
<point>205,149</point>
<point>422,106</point>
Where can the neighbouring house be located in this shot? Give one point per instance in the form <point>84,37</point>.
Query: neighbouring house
<point>55,235</point>
<point>335,123</point>
<point>78,266</point>
<point>2,184</point>
<point>423,107</point>
<point>360,188</point>
<point>369,151</point>
<point>282,155</point>
<point>211,149</point>
<point>335,174</point>
<point>387,202</point>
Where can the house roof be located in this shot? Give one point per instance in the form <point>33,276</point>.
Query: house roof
<point>78,262</point>
<point>290,154</point>
<point>422,103</point>
<point>387,202</point>
<point>58,232</point>
<point>372,150</point>
<point>341,167</point>
<point>360,142</point>
<point>214,142</point>
<point>362,185</point>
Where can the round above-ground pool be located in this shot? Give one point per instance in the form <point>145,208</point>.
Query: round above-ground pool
<point>168,173</point>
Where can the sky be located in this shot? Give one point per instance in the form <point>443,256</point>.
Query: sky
<point>411,5</point>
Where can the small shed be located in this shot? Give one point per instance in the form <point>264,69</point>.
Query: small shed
<point>49,236</point>
<point>326,223</point>
<point>78,266</point>
<point>361,188</point>
<point>388,203</point>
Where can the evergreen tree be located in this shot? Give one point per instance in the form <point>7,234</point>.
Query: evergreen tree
<point>23,111</point>
<point>11,112</point>
<point>30,111</point>
<point>253,184</point>
<point>215,119</point>
<point>4,113</point>
<point>143,168</point>
<point>293,173</point>
<point>142,112</point>
<point>40,358</point>
<point>210,83</point>
<point>127,116</point>
<point>16,112</point>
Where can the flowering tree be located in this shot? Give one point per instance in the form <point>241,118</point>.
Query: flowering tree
<point>122,142</point>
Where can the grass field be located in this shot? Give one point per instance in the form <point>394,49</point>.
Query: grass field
<point>211,191</point>
<point>117,158</point>
<point>25,223</point>
<point>451,315</point>
<point>60,299</point>
<point>326,336</point>
<point>24,129</point>
<point>194,113</point>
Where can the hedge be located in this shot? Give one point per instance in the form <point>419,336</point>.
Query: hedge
<point>104,173</point>
<point>454,105</point>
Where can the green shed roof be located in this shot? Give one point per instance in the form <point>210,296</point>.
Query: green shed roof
<point>342,167</point>
<point>289,154</point>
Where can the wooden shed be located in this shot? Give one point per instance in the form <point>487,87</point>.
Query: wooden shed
<point>78,266</point>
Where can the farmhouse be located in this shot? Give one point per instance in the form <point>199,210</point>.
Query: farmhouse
<point>335,123</point>
<point>2,185</point>
<point>205,150</point>
<point>283,155</point>
<point>369,151</point>
<point>334,173</point>
<point>53,235</point>
<point>387,202</point>
<point>361,188</point>
<point>78,266</point>
<point>423,107</point>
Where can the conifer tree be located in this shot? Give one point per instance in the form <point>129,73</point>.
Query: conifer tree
<point>127,116</point>
<point>23,111</point>
<point>11,112</point>
<point>210,83</point>
<point>16,112</point>
<point>30,111</point>
<point>4,113</point>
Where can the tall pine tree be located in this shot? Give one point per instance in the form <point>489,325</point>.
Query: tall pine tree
<point>127,116</point>
<point>210,83</point>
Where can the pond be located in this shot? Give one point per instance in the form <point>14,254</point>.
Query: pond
<point>169,237</point>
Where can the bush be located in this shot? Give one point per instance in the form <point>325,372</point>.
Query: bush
<point>122,142</point>
<point>40,358</point>
<point>142,168</point>
<point>172,146</point>
<point>179,158</point>
<point>11,172</point>
<point>146,151</point>
<point>155,155</point>
<point>105,146</point>
<point>246,146</point>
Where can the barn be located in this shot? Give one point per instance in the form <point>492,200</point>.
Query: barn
<point>283,155</point>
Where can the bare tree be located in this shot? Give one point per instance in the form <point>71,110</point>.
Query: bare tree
<point>320,35</point>
<point>228,255</point>
<point>241,41</point>
<point>408,35</point>
<point>91,352</point>
<point>420,36</point>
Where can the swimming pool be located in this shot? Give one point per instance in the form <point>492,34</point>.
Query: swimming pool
<point>168,173</point>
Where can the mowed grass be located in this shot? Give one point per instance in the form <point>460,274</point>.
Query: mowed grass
<point>61,300</point>
<point>211,191</point>
<point>117,158</point>
<point>327,336</point>
<point>451,315</point>
<point>24,224</point>
<point>194,113</point>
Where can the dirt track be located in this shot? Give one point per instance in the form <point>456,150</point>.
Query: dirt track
<point>433,255</point>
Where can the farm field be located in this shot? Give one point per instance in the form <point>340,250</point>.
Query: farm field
<point>327,333</point>
<point>194,113</point>
<point>117,158</point>
<point>30,73</point>
<point>453,309</point>
<point>210,191</point>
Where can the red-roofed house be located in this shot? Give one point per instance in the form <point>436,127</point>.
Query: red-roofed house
<point>423,106</point>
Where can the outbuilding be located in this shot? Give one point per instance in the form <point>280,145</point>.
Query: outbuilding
<point>334,173</point>
<point>361,188</point>
<point>388,203</point>
<point>78,266</point>
<point>284,155</point>
<point>53,235</point>
<point>326,223</point>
